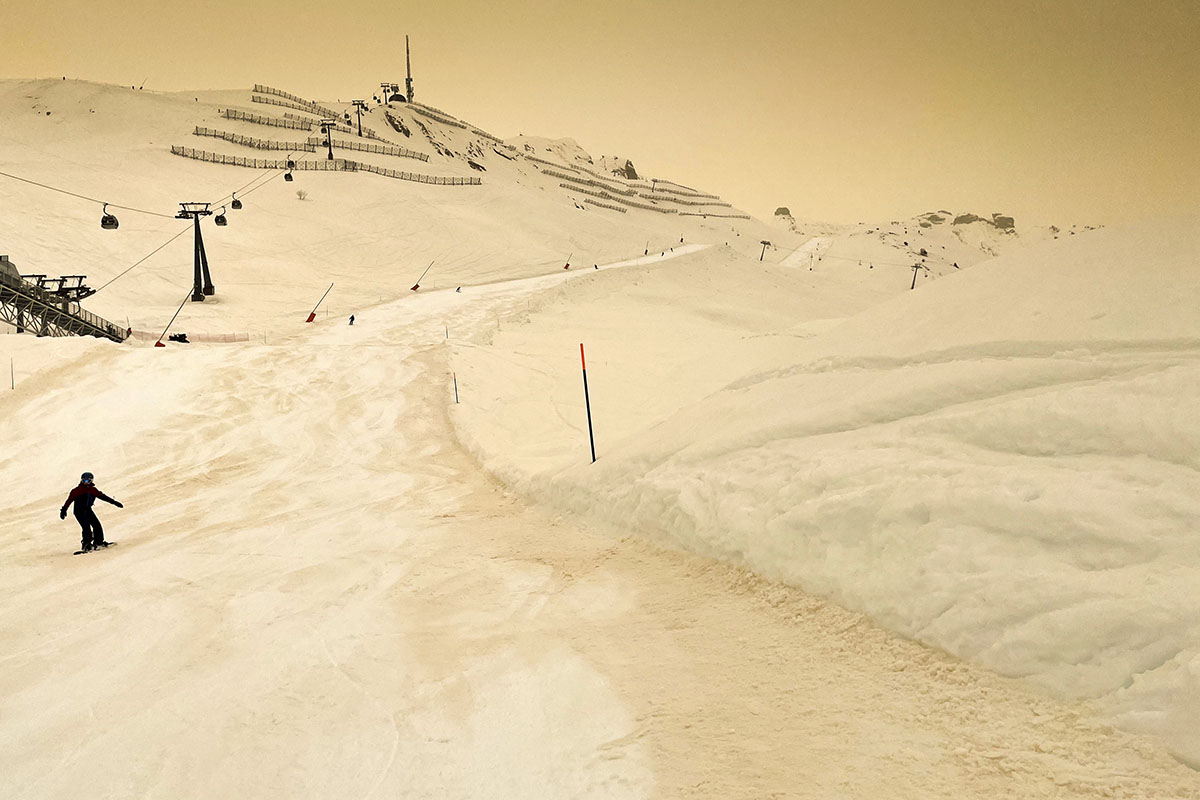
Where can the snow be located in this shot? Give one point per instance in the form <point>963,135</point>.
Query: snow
<point>828,518</point>
<point>998,465</point>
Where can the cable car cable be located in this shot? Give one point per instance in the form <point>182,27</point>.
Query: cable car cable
<point>143,258</point>
<point>85,197</point>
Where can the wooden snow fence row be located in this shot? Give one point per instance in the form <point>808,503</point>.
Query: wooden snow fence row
<point>590,193</point>
<point>345,127</point>
<point>681,191</point>
<point>644,206</point>
<point>682,202</point>
<point>722,216</point>
<point>437,117</point>
<point>258,119</point>
<point>576,187</point>
<point>250,141</point>
<point>311,108</point>
<point>321,165</point>
<point>297,102</point>
<point>554,164</point>
<point>434,109</point>
<point>387,150</point>
<point>589,182</point>
<point>337,126</point>
<point>453,120</point>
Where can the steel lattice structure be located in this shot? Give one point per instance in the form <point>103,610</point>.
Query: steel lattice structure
<point>27,306</point>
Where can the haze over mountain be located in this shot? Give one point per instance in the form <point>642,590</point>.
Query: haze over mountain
<point>897,508</point>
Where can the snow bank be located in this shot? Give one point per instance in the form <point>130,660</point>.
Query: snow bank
<point>1002,464</point>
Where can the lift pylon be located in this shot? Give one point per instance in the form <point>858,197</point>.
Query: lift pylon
<point>201,279</point>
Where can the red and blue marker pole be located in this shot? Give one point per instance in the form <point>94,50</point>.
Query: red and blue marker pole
<point>587,402</point>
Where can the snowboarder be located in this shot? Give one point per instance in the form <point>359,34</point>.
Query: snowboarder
<point>83,496</point>
<point>351,319</point>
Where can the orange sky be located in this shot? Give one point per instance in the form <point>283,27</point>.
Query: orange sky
<point>1056,111</point>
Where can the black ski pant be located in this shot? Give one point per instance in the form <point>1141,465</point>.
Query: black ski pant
<point>93,533</point>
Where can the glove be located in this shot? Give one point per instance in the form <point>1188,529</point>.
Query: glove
<point>118,504</point>
<point>62,513</point>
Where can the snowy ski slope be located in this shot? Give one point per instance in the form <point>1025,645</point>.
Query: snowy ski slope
<point>827,510</point>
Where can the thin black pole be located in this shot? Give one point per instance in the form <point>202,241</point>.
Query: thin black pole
<point>455,374</point>
<point>587,401</point>
<point>914,283</point>
<point>164,333</point>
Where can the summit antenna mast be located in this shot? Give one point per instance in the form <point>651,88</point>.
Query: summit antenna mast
<point>408,63</point>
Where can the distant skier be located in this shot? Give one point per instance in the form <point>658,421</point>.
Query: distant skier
<point>83,496</point>
<point>351,319</point>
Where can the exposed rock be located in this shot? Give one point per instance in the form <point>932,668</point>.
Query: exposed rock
<point>1003,223</point>
<point>966,219</point>
<point>783,211</point>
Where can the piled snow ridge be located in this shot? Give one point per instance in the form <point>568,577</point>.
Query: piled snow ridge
<point>1003,465</point>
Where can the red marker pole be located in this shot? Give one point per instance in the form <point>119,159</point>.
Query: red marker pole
<point>417,285</point>
<point>588,403</point>
<point>176,314</point>
<point>313,315</point>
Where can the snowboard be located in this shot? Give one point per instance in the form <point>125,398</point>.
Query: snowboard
<point>101,547</point>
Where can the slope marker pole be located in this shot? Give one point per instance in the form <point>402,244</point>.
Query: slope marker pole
<point>568,264</point>
<point>417,285</point>
<point>455,376</point>
<point>176,314</point>
<point>587,401</point>
<point>313,314</point>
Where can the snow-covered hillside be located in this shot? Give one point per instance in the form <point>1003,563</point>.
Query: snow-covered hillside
<point>318,592</point>
<point>374,234</point>
<point>1002,464</point>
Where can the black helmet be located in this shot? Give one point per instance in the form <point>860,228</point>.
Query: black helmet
<point>87,477</point>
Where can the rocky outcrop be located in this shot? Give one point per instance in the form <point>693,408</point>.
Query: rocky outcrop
<point>998,221</point>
